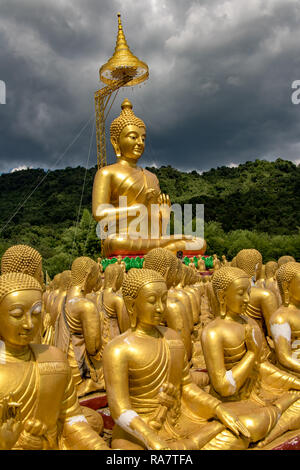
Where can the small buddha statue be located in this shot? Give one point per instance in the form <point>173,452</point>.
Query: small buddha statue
<point>285,322</point>
<point>201,264</point>
<point>79,329</point>
<point>99,261</point>
<point>263,302</point>
<point>113,314</point>
<point>121,263</point>
<point>270,280</point>
<point>37,377</point>
<point>224,261</point>
<point>263,396</point>
<point>285,259</point>
<point>194,300</point>
<point>50,320</point>
<point>179,292</point>
<point>176,316</point>
<point>150,393</point>
<point>142,190</point>
<point>216,262</point>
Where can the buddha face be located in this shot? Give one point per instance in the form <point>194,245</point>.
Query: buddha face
<point>131,142</point>
<point>294,288</point>
<point>150,304</point>
<point>20,317</point>
<point>237,295</point>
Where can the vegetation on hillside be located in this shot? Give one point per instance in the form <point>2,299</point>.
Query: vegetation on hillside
<point>256,204</point>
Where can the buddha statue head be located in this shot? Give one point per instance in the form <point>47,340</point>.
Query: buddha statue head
<point>231,288</point>
<point>55,283</point>
<point>285,259</point>
<point>85,274</point>
<point>164,262</point>
<point>23,259</point>
<point>270,269</point>
<point>233,262</point>
<point>145,296</point>
<point>250,261</point>
<point>20,309</point>
<point>128,134</point>
<point>288,279</point>
<point>65,280</point>
<point>113,277</point>
<point>178,272</point>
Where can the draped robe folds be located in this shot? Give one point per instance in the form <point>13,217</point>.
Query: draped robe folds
<point>84,367</point>
<point>155,390</point>
<point>44,387</point>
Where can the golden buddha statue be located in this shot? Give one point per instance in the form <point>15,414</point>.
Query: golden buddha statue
<point>23,259</point>
<point>79,329</point>
<point>233,262</point>
<point>178,291</point>
<point>10,422</point>
<point>285,259</point>
<point>113,314</point>
<point>37,377</point>
<point>121,263</point>
<point>176,316</point>
<point>54,308</point>
<point>139,190</point>
<point>285,322</point>
<point>263,302</point>
<point>193,298</point>
<point>270,280</point>
<point>224,261</point>
<point>201,264</point>
<point>150,393</point>
<point>216,262</point>
<point>263,396</point>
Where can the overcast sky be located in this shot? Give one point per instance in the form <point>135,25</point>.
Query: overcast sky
<point>219,91</point>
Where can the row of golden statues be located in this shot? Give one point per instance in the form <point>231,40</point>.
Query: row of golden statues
<point>187,361</point>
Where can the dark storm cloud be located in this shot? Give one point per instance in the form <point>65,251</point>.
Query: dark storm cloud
<point>219,89</point>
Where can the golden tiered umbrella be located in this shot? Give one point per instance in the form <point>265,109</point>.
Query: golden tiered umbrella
<point>122,69</point>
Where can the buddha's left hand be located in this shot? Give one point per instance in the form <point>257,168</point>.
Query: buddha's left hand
<point>231,421</point>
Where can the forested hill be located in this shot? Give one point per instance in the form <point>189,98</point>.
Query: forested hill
<point>259,195</point>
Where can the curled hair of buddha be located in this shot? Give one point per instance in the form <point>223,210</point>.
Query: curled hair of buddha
<point>223,277</point>
<point>160,259</point>
<point>285,259</point>
<point>20,259</point>
<point>81,267</point>
<point>11,282</point>
<point>135,279</point>
<point>126,118</point>
<point>111,273</point>
<point>286,273</point>
<point>270,268</point>
<point>247,260</point>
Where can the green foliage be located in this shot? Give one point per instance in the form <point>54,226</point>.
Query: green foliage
<point>255,205</point>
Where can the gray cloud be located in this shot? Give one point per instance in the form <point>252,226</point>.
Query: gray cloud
<point>219,91</point>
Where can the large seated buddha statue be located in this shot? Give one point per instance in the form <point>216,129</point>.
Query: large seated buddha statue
<point>37,378</point>
<point>151,396</point>
<point>265,397</point>
<point>123,191</point>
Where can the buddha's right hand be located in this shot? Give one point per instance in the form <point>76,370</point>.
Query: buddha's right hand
<point>154,442</point>
<point>250,340</point>
<point>11,425</point>
<point>231,421</point>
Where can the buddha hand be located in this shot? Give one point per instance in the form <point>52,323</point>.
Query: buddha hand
<point>250,339</point>
<point>231,421</point>
<point>154,442</point>
<point>11,424</point>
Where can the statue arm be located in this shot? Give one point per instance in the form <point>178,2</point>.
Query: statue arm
<point>281,334</point>
<point>269,305</point>
<point>278,378</point>
<point>90,321</point>
<point>76,432</point>
<point>115,367</point>
<point>225,382</point>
